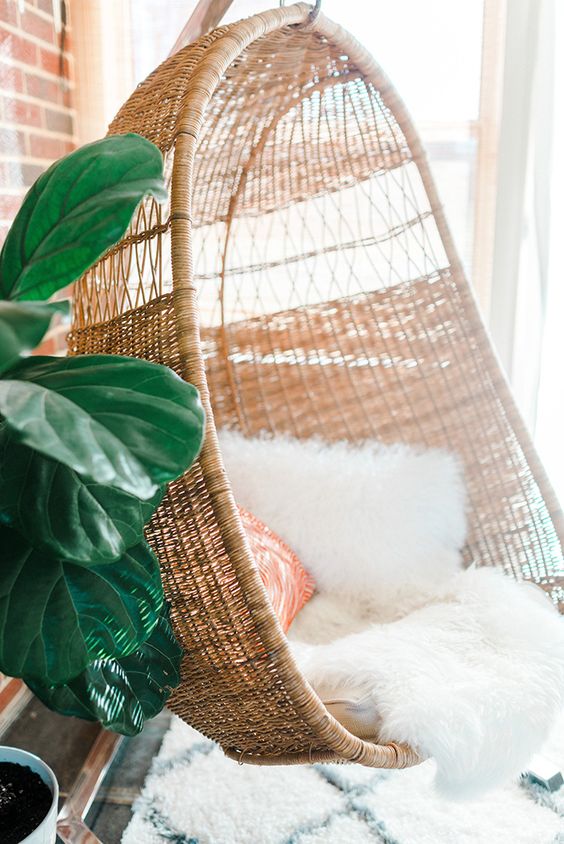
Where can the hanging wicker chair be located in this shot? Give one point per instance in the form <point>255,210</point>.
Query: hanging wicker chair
<point>304,279</point>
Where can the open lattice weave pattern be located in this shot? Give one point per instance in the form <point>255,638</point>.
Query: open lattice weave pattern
<point>304,279</point>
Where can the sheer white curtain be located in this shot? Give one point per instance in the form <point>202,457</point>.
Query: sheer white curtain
<point>527,290</point>
<point>549,409</point>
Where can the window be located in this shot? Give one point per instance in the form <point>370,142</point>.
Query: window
<point>431,51</point>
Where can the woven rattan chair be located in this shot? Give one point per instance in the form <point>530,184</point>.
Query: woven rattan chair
<point>303,277</point>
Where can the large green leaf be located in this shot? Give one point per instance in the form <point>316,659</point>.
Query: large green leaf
<point>122,694</point>
<point>53,425</point>
<point>75,211</point>
<point>22,327</point>
<point>56,617</point>
<point>64,515</point>
<point>156,414</point>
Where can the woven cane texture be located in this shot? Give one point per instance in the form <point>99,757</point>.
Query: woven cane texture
<point>303,277</point>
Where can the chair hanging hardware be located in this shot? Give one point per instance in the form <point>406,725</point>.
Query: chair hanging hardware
<point>315,10</point>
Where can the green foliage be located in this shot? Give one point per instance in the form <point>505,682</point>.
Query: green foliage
<point>74,212</point>
<point>57,427</point>
<point>65,515</point>
<point>154,416</point>
<point>87,446</point>
<point>22,326</point>
<point>122,693</point>
<point>57,616</point>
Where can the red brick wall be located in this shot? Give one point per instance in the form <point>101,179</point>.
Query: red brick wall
<point>37,126</point>
<point>37,123</point>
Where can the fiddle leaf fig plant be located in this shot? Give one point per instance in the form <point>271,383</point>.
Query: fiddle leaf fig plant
<point>75,211</point>
<point>87,447</point>
<point>130,687</point>
<point>22,327</point>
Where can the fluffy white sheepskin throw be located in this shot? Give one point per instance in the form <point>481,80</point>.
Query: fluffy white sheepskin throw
<point>465,666</point>
<point>475,678</point>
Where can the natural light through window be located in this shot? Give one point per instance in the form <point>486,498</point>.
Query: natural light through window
<point>438,76</point>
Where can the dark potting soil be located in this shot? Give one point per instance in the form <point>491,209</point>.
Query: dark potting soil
<point>24,802</point>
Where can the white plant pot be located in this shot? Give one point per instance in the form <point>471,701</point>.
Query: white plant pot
<point>46,832</point>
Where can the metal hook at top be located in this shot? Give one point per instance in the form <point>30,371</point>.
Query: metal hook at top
<point>315,9</point>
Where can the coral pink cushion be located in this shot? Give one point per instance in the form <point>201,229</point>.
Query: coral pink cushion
<point>288,584</point>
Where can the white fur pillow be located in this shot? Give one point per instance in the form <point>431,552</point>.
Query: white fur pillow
<point>387,520</point>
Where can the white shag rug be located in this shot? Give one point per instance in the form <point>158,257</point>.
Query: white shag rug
<point>195,795</point>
